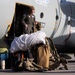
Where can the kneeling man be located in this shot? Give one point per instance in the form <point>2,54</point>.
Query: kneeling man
<point>27,41</point>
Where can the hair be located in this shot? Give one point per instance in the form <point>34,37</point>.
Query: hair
<point>31,8</point>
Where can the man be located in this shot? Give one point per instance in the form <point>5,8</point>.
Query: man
<point>29,41</point>
<point>28,21</point>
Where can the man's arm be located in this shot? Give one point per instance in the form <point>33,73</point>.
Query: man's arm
<point>23,20</point>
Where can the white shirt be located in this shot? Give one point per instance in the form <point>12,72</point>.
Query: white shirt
<point>25,41</point>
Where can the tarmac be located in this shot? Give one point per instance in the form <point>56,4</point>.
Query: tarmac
<point>70,71</point>
<point>58,71</point>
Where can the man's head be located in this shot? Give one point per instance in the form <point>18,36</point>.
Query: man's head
<point>31,9</point>
<point>38,26</point>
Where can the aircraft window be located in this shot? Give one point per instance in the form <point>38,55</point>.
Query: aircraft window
<point>57,17</point>
<point>41,15</point>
